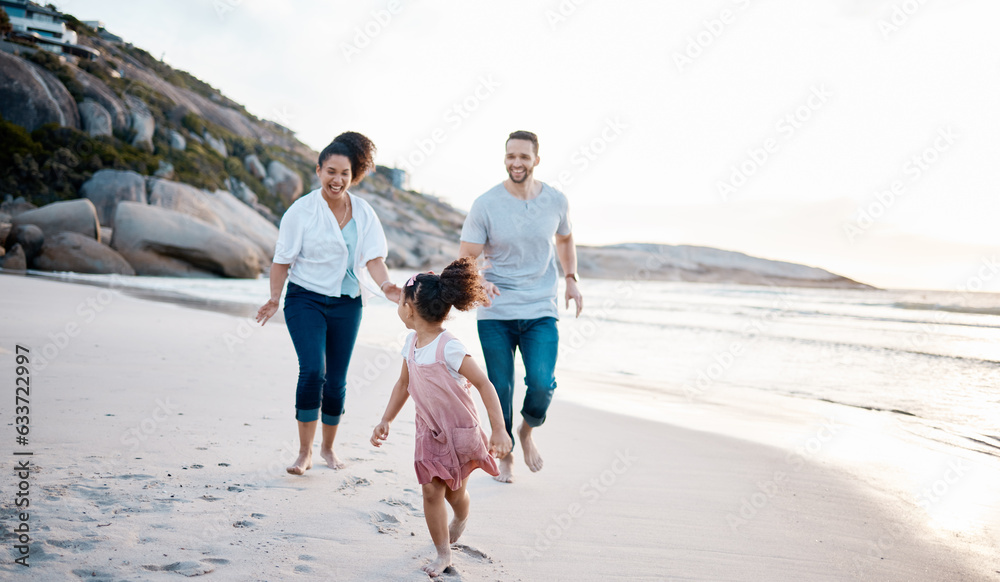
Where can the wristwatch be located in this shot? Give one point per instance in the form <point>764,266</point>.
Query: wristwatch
<point>572,276</point>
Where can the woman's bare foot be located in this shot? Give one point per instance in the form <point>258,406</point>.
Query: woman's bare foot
<point>531,457</point>
<point>455,529</point>
<point>438,566</point>
<point>302,464</point>
<point>332,460</point>
<point>506,469</point>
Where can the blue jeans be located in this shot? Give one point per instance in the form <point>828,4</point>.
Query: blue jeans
<point>323,330</point>
<point>538,340</point>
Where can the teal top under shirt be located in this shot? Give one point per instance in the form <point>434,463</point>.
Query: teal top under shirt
<point>350,286</point>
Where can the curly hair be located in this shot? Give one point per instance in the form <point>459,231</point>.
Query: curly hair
<point>355,147</point>
<point>460,286</point>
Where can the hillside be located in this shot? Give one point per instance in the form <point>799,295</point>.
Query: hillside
<point>140,168</point>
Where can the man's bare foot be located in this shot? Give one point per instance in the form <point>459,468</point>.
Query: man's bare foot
<point>506,469</point>
<point>455,529</point>
<point>332,460</point>
<point>438,566</point>
<point>302,464</point>
<point>531,457</point>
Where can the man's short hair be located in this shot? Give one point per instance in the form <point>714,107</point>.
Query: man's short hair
<point>526,136</point>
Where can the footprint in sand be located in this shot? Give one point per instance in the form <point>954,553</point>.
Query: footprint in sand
<point>384,522</point>
<point>352,483</point>
<point>188,568</point>
<point>405,504</point>
<point>472,552</point>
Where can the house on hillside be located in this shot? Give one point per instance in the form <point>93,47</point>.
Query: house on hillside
<point>45,28</point>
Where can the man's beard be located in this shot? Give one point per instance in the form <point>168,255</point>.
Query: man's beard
<point>515,180</point>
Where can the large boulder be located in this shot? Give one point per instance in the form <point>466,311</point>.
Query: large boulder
<point>30,96</point>
<point>14,260</point>
<point>141,122</point>
<point>183,198</point>
<point>158,241</point>
<point>177,140</point>
<point>216,144</point>
<point>72,215</point>
<point>96,90</point>
<point>253,165</point>
<point>71,251</point>
<point>107,188</point>
<point>95,118</point>
<point>283,182</point>
<point>13,206</point>
<point>244,222</point>
<point>28,238</point>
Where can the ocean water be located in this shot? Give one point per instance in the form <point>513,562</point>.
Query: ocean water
<point>931,357</point>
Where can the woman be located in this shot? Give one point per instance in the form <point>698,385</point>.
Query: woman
<point>330,247</point>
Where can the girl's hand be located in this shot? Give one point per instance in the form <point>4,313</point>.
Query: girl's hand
<point>500,444</point>
<point>267,311</point>
<point>380,433</point>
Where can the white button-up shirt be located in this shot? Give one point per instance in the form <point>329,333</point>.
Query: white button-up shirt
<point>310,240</point>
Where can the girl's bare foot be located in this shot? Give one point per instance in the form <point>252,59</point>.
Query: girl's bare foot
<point>455,529</point>
<point>332,460</point>
<point>302,464</point>
<point>531,456</point>
<point>506,469</point>
<point>438,566</point>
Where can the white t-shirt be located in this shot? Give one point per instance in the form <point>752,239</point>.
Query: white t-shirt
<point>454,353</point>
<point>310,240</point>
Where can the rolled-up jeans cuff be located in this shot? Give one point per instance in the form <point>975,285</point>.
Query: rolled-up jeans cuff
<point>330,420</point>
<point>532,421</point>
<point>307,415</point>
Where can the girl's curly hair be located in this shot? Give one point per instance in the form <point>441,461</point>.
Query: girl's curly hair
<point>460,285</point>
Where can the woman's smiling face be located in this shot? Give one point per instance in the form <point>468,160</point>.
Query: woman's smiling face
<point>334,176</point>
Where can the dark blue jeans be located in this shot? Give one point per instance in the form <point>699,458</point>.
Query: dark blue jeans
<point>323,330</point>
<point>538,340</point>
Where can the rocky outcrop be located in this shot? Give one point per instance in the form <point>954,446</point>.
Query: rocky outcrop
<point>70,216</point>
<point>164,170</point>
<point>70,251</point>
<point>95,119</point>
<point>253,165</point>
<point>14,260</point>
<point>177,140</point>
<point>141,122</point>
<point>15,206</point>
<point>157,241</point>
<point>243,221</point>
<point>216,144</point>
<point>107,188</point>
<point>30,96</point>
<point>283,182</point>
<point>28,238</point>
<point>96,90</point>
<point>651,262</point>
<point>183,198</point>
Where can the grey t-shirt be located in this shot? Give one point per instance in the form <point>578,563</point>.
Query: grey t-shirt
<point>519,244</point>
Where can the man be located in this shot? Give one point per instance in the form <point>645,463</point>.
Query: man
<point>522,226</point>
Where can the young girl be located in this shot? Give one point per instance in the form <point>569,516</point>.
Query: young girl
<point>450,443</point>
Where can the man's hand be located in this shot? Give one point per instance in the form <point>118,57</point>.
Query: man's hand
<point>573,292</point>
<point>491,292</point>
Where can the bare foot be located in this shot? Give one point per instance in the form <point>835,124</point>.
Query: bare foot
<point>506,469</point>
<point>531,457</point>
<point>438,566</point>
<point>302,464</point>
<point>455,529</point>
<point>332,460</point>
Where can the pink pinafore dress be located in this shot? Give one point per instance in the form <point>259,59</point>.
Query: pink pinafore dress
<point>450,443</point>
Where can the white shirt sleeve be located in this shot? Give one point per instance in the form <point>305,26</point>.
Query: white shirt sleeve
<point>412,337</point>
<point>454,355</point>
<point>289,238</point>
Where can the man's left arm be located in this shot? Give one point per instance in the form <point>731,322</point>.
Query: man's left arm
<point>566,250</point>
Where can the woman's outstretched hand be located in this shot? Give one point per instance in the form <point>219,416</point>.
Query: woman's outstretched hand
<point>393,292</point>
<point>267,311</point>
<point>380,433</point>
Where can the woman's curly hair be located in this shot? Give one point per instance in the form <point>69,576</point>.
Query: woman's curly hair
<point>355,147</point>
<point>460,286</point>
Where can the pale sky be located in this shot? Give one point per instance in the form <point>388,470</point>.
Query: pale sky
<point>762,126</point>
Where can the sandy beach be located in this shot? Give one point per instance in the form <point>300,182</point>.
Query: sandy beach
<point>159,436</point>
